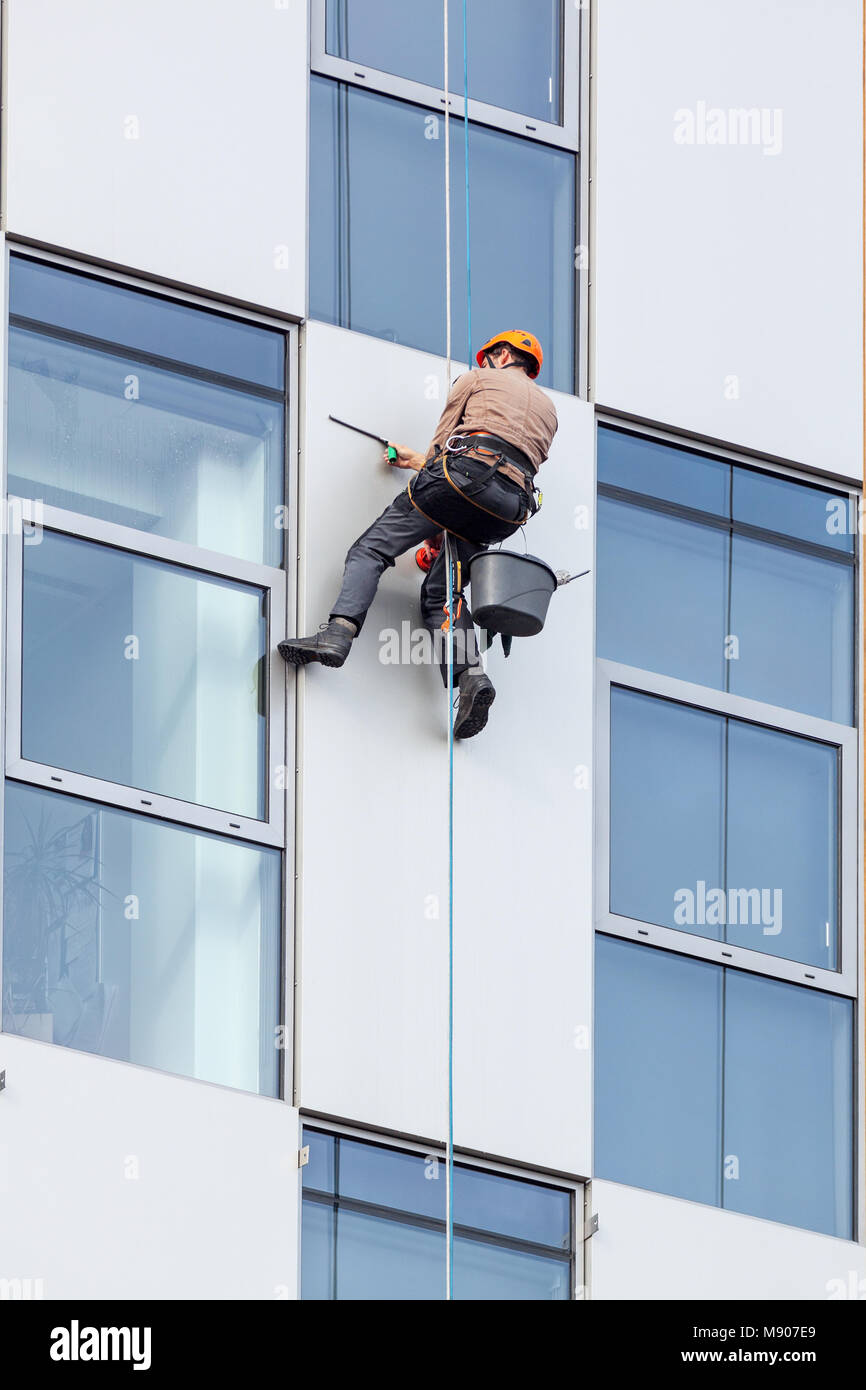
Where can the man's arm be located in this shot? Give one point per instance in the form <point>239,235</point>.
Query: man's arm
<point>448,422</point>
<point>453,412</point>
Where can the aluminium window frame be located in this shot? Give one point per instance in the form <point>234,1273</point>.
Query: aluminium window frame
<point>856,1185</point>
<point>566,135</point>
<point>718,450</point>
<point>664,433</point>
<point>577,1188</point>
<point>283,581</point>
<point>839,736</point>
<point>193,561</point>
<point>579,310</point>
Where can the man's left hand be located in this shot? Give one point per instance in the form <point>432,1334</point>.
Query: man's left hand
<point>406,458</point>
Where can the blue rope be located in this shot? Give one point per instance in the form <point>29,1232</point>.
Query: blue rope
<point>450,1155</point>
<point>449,565</point>
<point>466,173</point>
<point>449,1158</point>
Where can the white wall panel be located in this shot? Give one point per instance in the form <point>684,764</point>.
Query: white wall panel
<point>654,1247</point>
<point>719,261</point>
<point>374,810</point>
<point>121,1182</point>
<point>167,137</point>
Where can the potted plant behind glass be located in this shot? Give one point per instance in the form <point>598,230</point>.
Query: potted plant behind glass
<point>52,895</point>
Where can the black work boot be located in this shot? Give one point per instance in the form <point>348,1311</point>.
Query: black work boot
<point>476,696</point>
<point>329,647</point>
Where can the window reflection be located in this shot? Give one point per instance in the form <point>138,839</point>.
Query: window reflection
<point>140,941</point>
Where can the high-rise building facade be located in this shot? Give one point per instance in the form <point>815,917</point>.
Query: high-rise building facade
<point>228,888</point>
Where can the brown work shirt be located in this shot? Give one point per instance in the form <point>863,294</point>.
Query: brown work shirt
<point>503,401</point>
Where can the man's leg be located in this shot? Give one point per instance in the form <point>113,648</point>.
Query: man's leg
<point>475,687</point>
<point>399,527</point>
<point>434,596</point>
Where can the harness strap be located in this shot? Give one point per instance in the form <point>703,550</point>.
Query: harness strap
<point>510,521</point>
<point>501,456</point>
<point>448,605</point>
<point>437,524</point>
<point>472,501</point>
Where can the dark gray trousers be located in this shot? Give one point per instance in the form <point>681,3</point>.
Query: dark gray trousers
<point>402,525</point>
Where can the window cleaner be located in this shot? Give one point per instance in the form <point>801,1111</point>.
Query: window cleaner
<point>477,483</point>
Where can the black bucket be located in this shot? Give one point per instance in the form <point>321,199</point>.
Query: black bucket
<point>510,592</point>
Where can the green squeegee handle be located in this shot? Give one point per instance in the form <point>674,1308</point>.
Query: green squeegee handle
<point>392,452</point>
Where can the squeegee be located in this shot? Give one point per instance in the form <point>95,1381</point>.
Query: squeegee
<point>392,452</point>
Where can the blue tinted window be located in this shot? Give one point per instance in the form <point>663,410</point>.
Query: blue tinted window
<point>708,602</point>
<point>370,154</point>
<point>99,309</point>
<point>788,1103</point>
<point>674,475</point>
<point>190,983</point>
<point>390,1178</point>
<point>512,1236</point>
<point>319,1171</point>
<point>662,603</point>
<point>666,807</point>
<point>181,712</point>
<point>681,1043</point>
<point>514,58</point>
<point>658,1104</point>
<point>782,837</point>
<point>486,1272</point>
<point>141,446</point>
<point>793,618</point>
<point>525,1210</point>
<point>723,829</point>
<point>317,1251</point>
<point>389,1260</point>
<point>794,509</point>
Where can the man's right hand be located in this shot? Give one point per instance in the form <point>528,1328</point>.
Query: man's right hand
<point>406,458</point>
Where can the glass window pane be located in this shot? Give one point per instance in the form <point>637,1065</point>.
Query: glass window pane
<point>793,617</point>
<point>514,49</point>
<point>659,470</point>
<point>666,810</point>
<point>794,508</point>
<point>375,152</point>
<point>371,1246</point>
<point>319,1171</point>
<point>391,1178</point>
<point>662,592</point>
<point>144,674</point>
<point>327,249</point>
<point>515,281</point>
<point>658,1070</point>
<point>788,1104</point>
<point>103,435</point>
<point>483,1272</point>
<point>782,844</point>
<point>382,1259</point>
<point>317,1250</point>
<point>370,152</point>
<point>386,35</point>
<point>509,1207</point>
<point>138,940</point>
<point>164,327</point>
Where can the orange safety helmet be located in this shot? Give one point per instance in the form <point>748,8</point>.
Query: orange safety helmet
<point>514,337</point>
